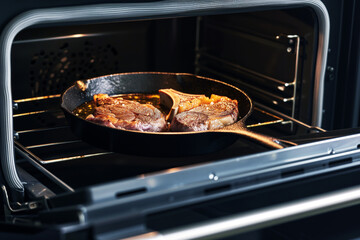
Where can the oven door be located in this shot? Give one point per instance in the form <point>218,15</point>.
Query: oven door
<point>283,193</point>
<point>259,195</point>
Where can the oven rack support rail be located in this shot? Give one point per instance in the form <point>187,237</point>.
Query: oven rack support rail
<point>132,11</point>
<point>228,70</point>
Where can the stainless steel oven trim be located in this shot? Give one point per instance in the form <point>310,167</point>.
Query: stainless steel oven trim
<point>231,168</point>
<point>244,222</point>
<point>127,11</point>
<point>149,202</point>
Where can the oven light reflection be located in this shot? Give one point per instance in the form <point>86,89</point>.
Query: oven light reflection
<point>77,35</point>
<point>36,98</point>
<point>281,88</point>
<point>170,170</point>
<point>29,113</point>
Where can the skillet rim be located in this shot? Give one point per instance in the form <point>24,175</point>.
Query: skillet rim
<point>242,119</point>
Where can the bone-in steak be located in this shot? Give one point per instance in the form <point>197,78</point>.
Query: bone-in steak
<point>200,113</point>
<point>126,114</point>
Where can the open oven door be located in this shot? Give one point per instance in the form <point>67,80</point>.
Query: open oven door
<point>248,195</point>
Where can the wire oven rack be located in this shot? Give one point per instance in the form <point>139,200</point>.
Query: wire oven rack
<point>44,139</point>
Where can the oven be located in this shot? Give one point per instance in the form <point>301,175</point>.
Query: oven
<point>297,60</point>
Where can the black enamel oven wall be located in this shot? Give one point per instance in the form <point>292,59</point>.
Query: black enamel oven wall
<point>342,80</point>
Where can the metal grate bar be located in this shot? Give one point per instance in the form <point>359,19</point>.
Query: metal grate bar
<point>226,28</point>
<point>30,113</point>
<point>245,84</point>
<point>35,113</point>
<point>34,160</point>
<point>41,129</point>
<point>36,98</point>
<point>52,144</point>
<point>276,119</point>
<point>290,118</point>
<point>55,160</point>
<point>237,67</point>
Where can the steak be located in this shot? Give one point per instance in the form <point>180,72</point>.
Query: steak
<point>199,113</point>
<point>126,114</point>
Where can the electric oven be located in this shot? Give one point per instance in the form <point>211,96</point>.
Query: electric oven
<point>297,60</point>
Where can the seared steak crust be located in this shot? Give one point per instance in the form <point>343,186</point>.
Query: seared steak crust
<point>196,112</point>
<point>190,112</point>
<point>127,114</point>
<point>210,116</point>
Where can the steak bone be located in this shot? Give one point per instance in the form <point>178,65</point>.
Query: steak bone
<point>173,100</point>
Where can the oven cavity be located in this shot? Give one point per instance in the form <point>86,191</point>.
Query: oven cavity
<point>269,62</point>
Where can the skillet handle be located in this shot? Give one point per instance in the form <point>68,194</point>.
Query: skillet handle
<point>258,137</point>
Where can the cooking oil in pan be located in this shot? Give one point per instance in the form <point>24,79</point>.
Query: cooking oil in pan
<point>87,108</point>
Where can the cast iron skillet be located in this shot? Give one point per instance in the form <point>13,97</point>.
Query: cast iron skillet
<point>163,143</point>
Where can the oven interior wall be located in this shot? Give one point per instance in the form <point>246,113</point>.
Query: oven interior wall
<point>51,58</point>
<point>343,76</point>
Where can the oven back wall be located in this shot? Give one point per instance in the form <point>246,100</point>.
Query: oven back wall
<point>46,60</point>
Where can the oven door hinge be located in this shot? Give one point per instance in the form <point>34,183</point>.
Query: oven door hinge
<point>15,207</point>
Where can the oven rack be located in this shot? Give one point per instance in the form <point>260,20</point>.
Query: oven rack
<point>44,138</point>
<point>59,125</point>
